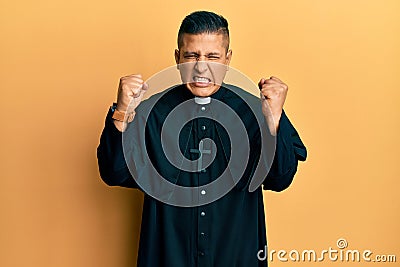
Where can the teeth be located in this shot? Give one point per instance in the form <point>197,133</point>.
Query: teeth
<point>201,79</point>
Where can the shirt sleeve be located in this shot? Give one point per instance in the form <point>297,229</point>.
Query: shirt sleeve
<point>289,150</point>
<point>110,157</point>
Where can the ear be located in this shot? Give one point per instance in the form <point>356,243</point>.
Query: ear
<point>228,57</point>
<point>177,56</point>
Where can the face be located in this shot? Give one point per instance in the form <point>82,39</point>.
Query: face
<point>203,60</point>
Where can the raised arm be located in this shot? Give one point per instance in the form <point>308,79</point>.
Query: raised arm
<point>289,147</point>
<point>110,155</point>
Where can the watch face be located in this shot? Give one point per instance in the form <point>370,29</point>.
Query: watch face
<point>118,116</point>
<point>122,116</point>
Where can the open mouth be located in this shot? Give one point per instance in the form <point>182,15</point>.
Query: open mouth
<point>201,81</point>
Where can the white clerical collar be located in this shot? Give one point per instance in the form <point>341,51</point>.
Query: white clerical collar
<point>202,100</point>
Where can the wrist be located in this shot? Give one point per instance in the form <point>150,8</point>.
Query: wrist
<point>120,125</point>
<point>120,115</point>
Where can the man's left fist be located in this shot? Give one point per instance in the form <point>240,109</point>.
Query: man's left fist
<point>273,95</point>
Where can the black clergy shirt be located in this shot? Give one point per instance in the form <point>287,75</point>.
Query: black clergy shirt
<point>228,232</point>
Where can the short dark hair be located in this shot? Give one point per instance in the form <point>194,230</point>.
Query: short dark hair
<point>203,22</point>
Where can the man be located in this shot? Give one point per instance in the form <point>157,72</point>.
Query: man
<point>183,229</point>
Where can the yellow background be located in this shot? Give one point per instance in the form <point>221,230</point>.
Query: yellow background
<point>60,62</point>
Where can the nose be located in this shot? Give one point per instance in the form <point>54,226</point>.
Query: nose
<point>201,66</point>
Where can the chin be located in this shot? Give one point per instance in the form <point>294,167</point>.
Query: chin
<point>202,91</point>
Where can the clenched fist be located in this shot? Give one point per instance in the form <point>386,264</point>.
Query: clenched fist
<point>273,95</point>
<point>130,92</point>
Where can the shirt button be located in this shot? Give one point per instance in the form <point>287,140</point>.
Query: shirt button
<point>203,108</point>
<point>203,128</point>
<point>203,192</point>
<point>202,214</point>
<point>201,253</point>
<point>202,234</point>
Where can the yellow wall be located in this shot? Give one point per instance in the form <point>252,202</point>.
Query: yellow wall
<point>60,62</point>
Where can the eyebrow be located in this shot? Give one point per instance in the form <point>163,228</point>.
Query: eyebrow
<point>214,54</point>
<point>207,54</point>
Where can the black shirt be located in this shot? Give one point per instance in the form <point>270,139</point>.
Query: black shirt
<point>227,232</point>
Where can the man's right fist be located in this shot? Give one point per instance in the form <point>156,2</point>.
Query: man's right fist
<point>130,92</point>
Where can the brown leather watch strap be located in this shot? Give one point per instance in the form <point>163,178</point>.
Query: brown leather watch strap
<point>120,116</point>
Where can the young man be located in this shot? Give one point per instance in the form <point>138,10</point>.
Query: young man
<point>191,219</point>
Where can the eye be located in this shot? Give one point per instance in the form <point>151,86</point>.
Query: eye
<point>190,56</point>
<point>213,57</point>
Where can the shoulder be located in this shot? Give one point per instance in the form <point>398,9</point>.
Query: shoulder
<point>235,92</point>
<point>242,101</point>
<point>163,100</point>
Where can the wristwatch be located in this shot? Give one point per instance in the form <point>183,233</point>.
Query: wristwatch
<point>121,116</point>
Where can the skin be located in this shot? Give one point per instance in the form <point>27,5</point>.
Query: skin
<point>203,55</point>
<point>202,60</point>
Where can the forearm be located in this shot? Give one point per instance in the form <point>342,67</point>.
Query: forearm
<point>289,149</point>
<point>273,122</point>
<point>111,160</point>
